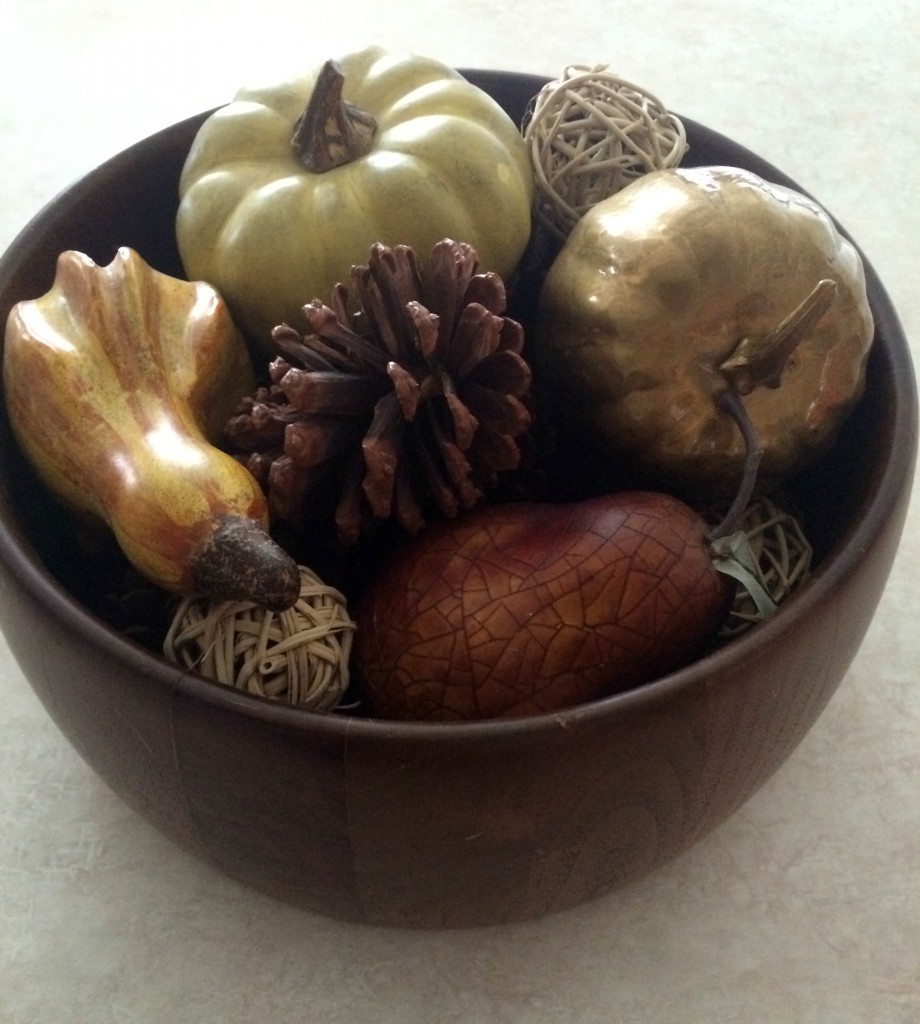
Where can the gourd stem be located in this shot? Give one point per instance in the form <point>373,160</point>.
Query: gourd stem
<point>759,360</point>
<point>730,402</point>
<point>239,561</point>
<point>330,131</point>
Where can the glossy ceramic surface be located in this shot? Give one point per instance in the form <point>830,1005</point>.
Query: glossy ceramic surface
<point>426,825</point>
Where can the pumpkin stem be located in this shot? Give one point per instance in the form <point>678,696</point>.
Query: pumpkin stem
<point>730,402</point>
<point>330,131</point>
<point>759,360</point>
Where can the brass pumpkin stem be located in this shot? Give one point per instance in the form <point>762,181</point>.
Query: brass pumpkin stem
<point>730,402</point>
<point>759,360</point>
<point>330,131</point>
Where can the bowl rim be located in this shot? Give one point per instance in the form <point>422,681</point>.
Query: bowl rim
<point>17,551</point>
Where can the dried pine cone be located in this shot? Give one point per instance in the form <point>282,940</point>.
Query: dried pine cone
<point>410,407</point>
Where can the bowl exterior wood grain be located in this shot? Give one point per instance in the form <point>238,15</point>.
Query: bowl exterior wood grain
<point>440,825</point>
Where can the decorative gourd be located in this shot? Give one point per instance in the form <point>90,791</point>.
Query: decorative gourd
<point>114,380</point>
<point>287,187</point>
<point>690,283</point>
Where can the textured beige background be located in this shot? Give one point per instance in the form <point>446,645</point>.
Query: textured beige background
<point>805,907</point>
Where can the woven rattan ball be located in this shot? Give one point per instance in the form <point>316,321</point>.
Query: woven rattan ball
<point>590,134</point>
<point>299,656</point>
<point>780,562</point>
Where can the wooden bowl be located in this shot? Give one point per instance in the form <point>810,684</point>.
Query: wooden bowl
<point>440,825</point>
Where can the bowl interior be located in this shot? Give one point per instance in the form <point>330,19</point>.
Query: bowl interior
<point>131,200</point>
<point>428,824</point>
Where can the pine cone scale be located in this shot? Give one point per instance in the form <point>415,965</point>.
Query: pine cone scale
<point>310,442</point>
<point>381,448</point>
<point>406,388</point>
<point>503,371</point>
<point>503,412</point>
<point>322,391</point>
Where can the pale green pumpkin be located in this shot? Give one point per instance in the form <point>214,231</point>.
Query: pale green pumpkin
<point>438,157</point>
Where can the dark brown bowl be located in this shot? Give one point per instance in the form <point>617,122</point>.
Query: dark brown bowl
<point>440,825</point>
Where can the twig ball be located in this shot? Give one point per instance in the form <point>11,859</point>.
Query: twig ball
<point>299,656</point>
<point>782,556</point>
<point>591,133</point>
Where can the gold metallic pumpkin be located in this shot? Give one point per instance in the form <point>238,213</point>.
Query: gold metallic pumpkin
<point>658,290</point>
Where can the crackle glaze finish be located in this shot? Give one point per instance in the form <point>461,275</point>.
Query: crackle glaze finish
<point>526,608</point>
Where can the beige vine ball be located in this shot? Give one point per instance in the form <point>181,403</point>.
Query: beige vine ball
<point>299,656</point>
<point>589,135</point>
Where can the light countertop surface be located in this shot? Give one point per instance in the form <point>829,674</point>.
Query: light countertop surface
<point>803,908</point>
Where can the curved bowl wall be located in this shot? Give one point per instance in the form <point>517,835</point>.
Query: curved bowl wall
<point>427,825</point>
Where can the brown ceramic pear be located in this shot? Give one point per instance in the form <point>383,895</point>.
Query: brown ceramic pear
<point>525,608</point>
